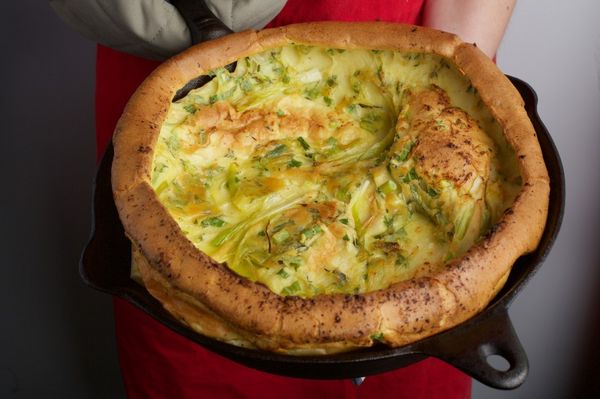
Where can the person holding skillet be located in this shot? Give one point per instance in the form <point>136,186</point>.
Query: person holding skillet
<point>134,36</point>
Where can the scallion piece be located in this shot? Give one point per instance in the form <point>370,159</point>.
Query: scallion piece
<point>246,85</point>
<point>432,192</point>
<point>378,336</point>
<point>332,81</point>
<point>294,163</point>
<point>282,273</point>
<point>291,289</point>
<point>214,221</point>
<point>400,260</point>
<point>281,236</point>
<point>303,143</point>
<point>277,151</point>
<point>403,155</point>
<point>412,175</point>
<point>295,262</point>
<point>190,108</point>
<point>388,187</point>
<point>312,231</point>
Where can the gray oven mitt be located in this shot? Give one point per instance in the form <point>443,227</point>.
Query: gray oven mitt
<point>153,28</point>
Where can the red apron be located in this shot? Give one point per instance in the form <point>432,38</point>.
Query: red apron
<point>158,363</point>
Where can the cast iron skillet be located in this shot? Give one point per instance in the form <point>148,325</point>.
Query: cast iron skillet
<point>105,265</point>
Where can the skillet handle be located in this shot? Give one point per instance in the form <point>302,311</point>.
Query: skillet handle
<point>494,335</point>
<point>202,23</point>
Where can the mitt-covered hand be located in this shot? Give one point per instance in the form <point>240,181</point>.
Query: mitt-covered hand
<point>154,29</point>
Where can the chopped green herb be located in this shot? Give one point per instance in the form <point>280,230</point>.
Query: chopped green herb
<point>280,112</point>
<point>342,194</point>
<point>328,101</point>
<point>334,124</point>
<point>388,187</point>
<point>190,108</point>
<point>341,277</point>
<point>378,336</point>
<point>291,289</point>
<point>351,108</point>
<point>344,221</point>
<point>294,163</point>
<point>412,175</point>
<point>331,145</point>
<point>232,180</point>
<point>332,81</point>
<point>303,143</point>
<point>281,236</point>
<point>213,221</point>
<point>160,167</point>
<point>246,85</point>
<point>369,122</point>
<point>312,231</point>
<point>258,164</point>
<point>401,260</point>
<point>380,74</point>
<point>346,238</point>
<point>449,256</point>
<point>313,92</point>
<point>282,273</point>
<point>173,143</point>
<point>161,187</point>
<point>277,151</point>
<point>432,192</point>
<point>389,221</point>
<point>403,155</point>
<point>295,262</point>
<point>331,141</point>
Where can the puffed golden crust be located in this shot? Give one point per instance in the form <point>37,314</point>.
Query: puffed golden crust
<point>194,287</point>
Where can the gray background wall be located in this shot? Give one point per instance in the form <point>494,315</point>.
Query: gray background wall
<point>56,336</point>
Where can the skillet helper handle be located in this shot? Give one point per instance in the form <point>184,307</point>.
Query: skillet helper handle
<point>494,335</point>
<point>202,23</point>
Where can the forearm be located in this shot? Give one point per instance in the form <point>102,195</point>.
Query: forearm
<point>475,21</point>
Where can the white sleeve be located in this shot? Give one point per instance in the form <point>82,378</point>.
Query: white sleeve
<point>154,28</point>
